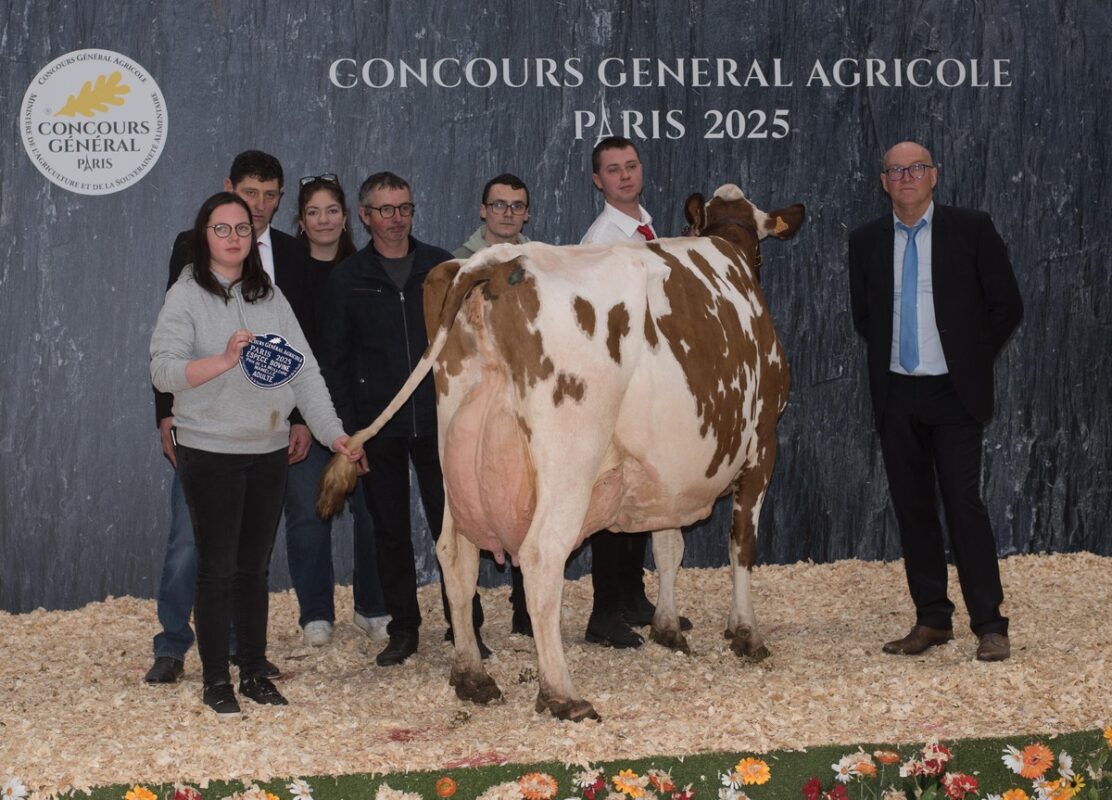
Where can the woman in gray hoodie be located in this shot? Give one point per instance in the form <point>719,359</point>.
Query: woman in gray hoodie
<point>229,348</point>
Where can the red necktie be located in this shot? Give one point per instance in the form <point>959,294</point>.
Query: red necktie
<point>647,232</point>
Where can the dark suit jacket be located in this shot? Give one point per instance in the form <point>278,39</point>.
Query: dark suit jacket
<point>291,273</point>
<point>977,303</point>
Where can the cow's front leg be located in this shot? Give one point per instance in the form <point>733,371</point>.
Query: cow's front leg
<point>542,569</point>
<point>459,562</point>
<point>742,632</point>
<point>668,553</point>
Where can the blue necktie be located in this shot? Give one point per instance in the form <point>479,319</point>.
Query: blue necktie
<point>909,296</point>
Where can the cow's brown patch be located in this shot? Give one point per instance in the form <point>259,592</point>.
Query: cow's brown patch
<point>744,535</point>
<point>584,315</point>
<point>617,327</point>
<point>650,329</point>
<point>704,331</point>
<point>514,306</point>
<point>568,385</point>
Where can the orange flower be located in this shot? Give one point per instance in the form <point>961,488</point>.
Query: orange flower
<point>445,787</point>
<point>537,786</point>
<point>1014,794</point>
<point>1037,759</point>
<point>629,782</point>
<point>1108,736</point>
<point>753,771</point>
<point>886,756</point>
<point>140,793</point>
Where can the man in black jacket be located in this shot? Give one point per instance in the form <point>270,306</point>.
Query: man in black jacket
<point>372,336</point>
<point>934,296</point>
<point>257,177</point>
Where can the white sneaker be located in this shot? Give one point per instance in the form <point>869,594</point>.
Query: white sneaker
<point>318,632</point>
<point>374,627</point>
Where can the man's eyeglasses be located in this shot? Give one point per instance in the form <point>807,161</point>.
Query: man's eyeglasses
<point>405,209</point>
<point>916,171</point>
<point>328,177</point>
<point>223,230</point>
<point>517,208</point>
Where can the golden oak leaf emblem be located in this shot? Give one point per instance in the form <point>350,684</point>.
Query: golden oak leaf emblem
<point>99,96</point>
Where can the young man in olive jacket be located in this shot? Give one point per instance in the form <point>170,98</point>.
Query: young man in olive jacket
<point>372,336</point>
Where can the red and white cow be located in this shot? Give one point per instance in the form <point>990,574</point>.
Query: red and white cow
<point>622,387</point>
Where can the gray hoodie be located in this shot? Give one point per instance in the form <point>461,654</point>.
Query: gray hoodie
<point>229,414</point>
<point>477,243</point>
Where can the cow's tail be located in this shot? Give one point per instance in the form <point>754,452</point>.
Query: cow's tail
<point>338,480</point>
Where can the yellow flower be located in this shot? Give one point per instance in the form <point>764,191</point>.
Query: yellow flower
<point>140,793</point>
<point>270,796</point>
<point>753,771</point>
<point>537,786</point>
<point>629,782</point>
<point>1014,794</point>
<point>1076,782</point>
<point>1037,759</point>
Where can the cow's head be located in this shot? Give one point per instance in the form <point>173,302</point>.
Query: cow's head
<point>731,216</point>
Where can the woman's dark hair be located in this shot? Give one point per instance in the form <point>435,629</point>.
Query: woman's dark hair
<point>307,190</point>
<point>254,281</point>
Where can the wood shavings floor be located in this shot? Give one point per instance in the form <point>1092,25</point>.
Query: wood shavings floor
<point>74,711</point>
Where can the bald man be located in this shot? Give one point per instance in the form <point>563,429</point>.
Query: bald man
<point>934,296</point>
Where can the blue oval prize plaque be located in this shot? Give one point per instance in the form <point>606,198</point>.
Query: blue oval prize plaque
<point>269,362</point>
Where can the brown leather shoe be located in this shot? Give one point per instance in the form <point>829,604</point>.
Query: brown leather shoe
<point>994,647</point>
<point>920,638</point>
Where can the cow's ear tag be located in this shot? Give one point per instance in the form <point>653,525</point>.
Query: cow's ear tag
<point>516,277</point>
<point>781,226</point>
<point>268,361</point>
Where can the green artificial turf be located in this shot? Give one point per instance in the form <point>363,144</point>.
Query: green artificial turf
<point>790,770</point>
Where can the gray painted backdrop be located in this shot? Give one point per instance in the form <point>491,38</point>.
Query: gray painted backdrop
<point>84,494</point>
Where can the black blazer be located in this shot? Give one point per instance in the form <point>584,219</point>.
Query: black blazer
<point>977,304</point>
<point>291,273</point>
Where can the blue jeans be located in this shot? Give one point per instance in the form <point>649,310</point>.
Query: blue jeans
<point>178,580</point>
<point>309,546</point>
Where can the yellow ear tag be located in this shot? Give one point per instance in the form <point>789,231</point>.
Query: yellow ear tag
<point>781,226</point>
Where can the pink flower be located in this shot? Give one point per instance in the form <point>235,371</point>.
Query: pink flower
<point>812,790</point>
<point>958,785</point>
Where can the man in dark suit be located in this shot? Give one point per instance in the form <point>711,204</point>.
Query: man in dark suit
<point>256,177</point>
<point>934,296</point>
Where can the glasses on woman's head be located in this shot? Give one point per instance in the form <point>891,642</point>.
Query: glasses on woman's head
<point>223,230</point>
<point>328,177</point>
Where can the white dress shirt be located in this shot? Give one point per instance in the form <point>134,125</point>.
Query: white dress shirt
<point>614,226</point>
<point>266,252</point>
<point>932,361</point>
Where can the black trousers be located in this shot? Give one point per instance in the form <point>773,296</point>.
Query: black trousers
<point>386,487</point>
<point>235,502</point>
<point>927,434</point>
<point>617,569</point>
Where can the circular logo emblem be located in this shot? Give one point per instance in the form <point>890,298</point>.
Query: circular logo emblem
<point>93,121</point>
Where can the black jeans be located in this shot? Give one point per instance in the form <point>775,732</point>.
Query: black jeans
<point>617,569</point>
<point>235,501</point>
<point>386,487</point>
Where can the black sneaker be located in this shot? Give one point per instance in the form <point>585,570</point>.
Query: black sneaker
<point>221,699</point>
<point>166,669</point>
<point>262,691</point>
<point>400,647</point>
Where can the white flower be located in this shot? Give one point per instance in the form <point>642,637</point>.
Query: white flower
<point>846,768</point>
<point>897,794</point>
<point>731,793</point>
<point>502,791</point>
<point>386,793</point>
<point>301,790</point>
<point>586,778</point>
<point>992,797</point>
<point>1065,765</point>
<point>1013,759</point>
<point>13,790</point>
<point>731,780</point>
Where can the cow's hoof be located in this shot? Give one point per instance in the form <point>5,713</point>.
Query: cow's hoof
<point>573,710</point>
<point>745,645</point>
<point>475,687</point>
<point>672,639</point>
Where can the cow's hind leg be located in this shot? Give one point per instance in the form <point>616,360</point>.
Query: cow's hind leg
<point>668,553</point>
<point>459,561</point>
<point>542,557</point>
<point>749,494</point>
